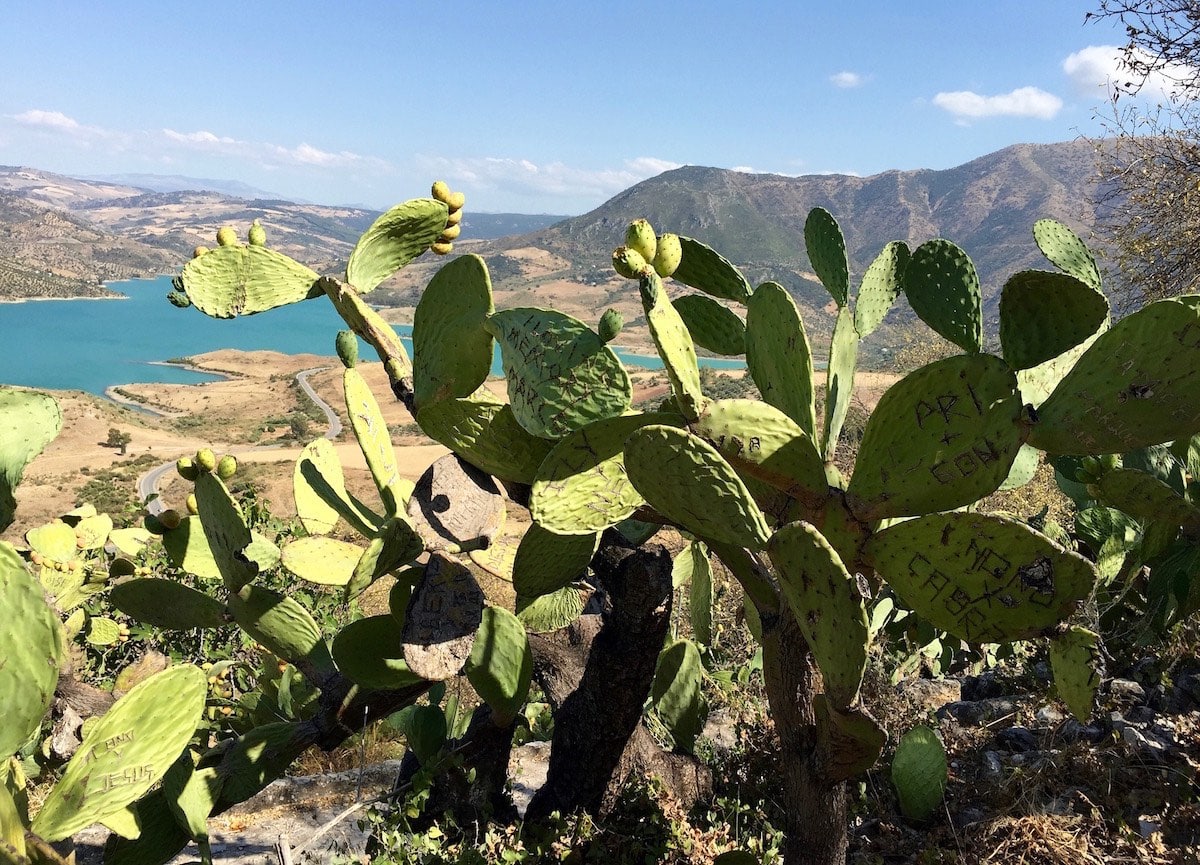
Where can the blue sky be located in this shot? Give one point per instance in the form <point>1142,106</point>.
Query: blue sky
<point>536,107</point>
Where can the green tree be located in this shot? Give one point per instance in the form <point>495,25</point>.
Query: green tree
<point>118,439</point>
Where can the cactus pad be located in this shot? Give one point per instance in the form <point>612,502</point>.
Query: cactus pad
<point>31,646</point>
<point>881,284</point>
<point>561,376</point>
<point>500,555</point>
<point>1044,314</point>
<point>243,280</point>
<point>443,614</point>
<point>826,602</point>
<point>675,693</point>
<point>547,561</point>
<point>319,489</point>
<point>282,625</point>
<point>547,613</point>
<point>369,652</point>
<point>710,272</point>
<point>125,752</point>
<point>712,325</point>
<point>1138,384</point>
<point>693,568</point>
<point>55,541</point>
<point>1038,382</point>
<point>1077,665</point>
<point>1065,250</point>
<point>581,486</point>
<point>850,740</point>
<point>374,439</point>
<point>224,530</point>
<point>452,353</point>
<point>322,560</point>
<point>778,355</point>
<point>674,345</point>
<point>984,579</point>
<point>397,544</point>
<point>167,604</point>
<point>919,773</point>
<point>393,240</point>
<point>1145,497</point>
<point>827,253</point>
<point>687,480</point>
<point>501,664</point>
<point>839,380</point>
<point>454,502</point>
<point>946,435</point>
<point>257,758</point>
<point>943,289</point>
<point>484,432</point>
<point>28,422</point>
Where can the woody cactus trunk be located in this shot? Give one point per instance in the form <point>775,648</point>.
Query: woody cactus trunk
<point>752,482</point>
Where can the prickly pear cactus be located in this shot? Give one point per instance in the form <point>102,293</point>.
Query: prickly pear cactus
<point>919,773</point>
<point>28,422</point>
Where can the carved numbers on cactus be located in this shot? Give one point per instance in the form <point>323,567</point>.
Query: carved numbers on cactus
<point>944,436</point>
<point>984,579</point>
<point>561,376</point>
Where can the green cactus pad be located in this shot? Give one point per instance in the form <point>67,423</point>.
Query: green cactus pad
<point>501,664</point>
<point>485,432</point>
<point>943,289</point>
<point>827,252</point>
<point>547,613</point>
<point>257,758</point>
<point>167,604</point>
<point>54,540</point>
<point>675,692</point>
<point>850,740</point>
<point>1065,250</point>
<point>1023,470</point>
<point>1039,382</point>
<point>944,436</point>
<point>581,486</point>
<point>102,631</point>
<point>561,376</point>
<point>839,380</point>
<point>778,355</point>
<point>374,440</point>
<point>443,616</point>
<point>687,480</point>
<point>319,490</point>
<point>31,646</point>
<point>282,625</point>
<point>712,325</point>
<point>243,280</point>
<point>881,284</point>
<point>1138,385</point>
<point>825,599</point>
<point>452,352</point>
<point>1145,497</point>
<point>454,503</point>
<point>322,560</point>
<point>764,443</point>
<point>700,589</point>
<point>983,579</point>
<point>1076,663</point>
<point>425,730</point>
<point>674,345</point>
<point>192,794</point>
<point>28,422</point>
<point>161,836</point>
<point>393,240</point>
<point>1044,314</point>
<point>91,533</point>
<point>547,561</point>
<point>125,753</point>
<point>919,773</point>
<point>129,542</point>
<point>703,268</point>
<point>224,530</point>
<point>396,545</point>
<point>369,652</point>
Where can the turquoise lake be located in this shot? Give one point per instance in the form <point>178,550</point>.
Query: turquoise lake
<point>91,345</point>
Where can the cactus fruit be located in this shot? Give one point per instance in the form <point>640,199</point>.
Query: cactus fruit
<point>943,289</point>
<point>257,235</point>
<point>393,240</point>
<point>187,469</point>
<point>919,773</point>
<point>640,238</point>
<point>456,201</point>
<point>628,263</point>
<point>712,325</point>
<point>668,255</point>
<point>227,467</point>
<point>778,355</point>
<point>452,352</point>
<point>440,191</point>
<point>703,268</point>
<point>441,247</point>
<point>500,666</point>
<point>206,460</point>
<point>610,325</point>
<point>170,518</point>
<point>227,236</point>
<point>827,252</point>
<point>199,251</point>
<point>450,233</point>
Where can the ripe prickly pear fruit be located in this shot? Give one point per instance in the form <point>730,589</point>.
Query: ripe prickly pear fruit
<point>610,325</point>
<point>668,255</point>
<point>451,232</point>
<point>206,460</point>
<point>454,217</point>
<point>170,519</point>
<point>456,201</point>
<point>440,248</point>
<point>193,506</point>
<point>441,191</point>
<point>199,251</point>
<point>187,468</point>
<point>257,234</point>
<point>226,236</point>
<point>628,262</point>
<point>227,467</point>
<point>347,348</point>
<point>639,236</point>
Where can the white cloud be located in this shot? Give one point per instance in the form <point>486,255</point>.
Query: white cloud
<point>57,122</point>
<point>847,80</point>
<point>1101,67</point>
<point>266,154</point>
<point>1022,102</point>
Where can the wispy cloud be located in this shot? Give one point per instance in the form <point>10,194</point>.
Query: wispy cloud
<point>1100,67</point>
<point>1022,102</point>
<point>262,152</point>
<point>59,123</point>
<point>847,80</point>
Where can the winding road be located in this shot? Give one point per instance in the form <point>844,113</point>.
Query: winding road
<point>148,483</point>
